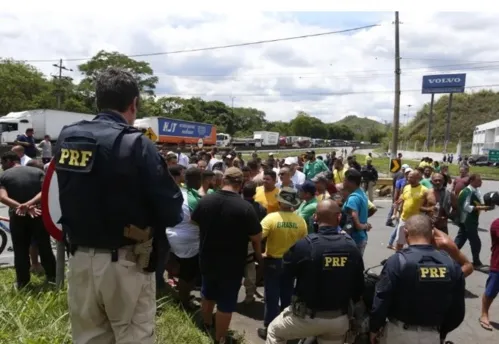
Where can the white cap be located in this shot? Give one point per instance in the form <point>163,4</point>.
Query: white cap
<point>271,154</point>
<point>408,170</point>
<point>290,161</point>
<point>404,166</point>
<point>228,156</point>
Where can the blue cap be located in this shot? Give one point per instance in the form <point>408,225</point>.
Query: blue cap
<point>308,186</point>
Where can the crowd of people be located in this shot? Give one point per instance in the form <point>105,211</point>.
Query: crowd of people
<point>135,223</point>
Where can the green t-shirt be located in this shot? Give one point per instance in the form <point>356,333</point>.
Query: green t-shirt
<point>313,168</point>
<point>210,191</point>
<point>307,210</point>
<point>426,183</point>
<point>193,198</point>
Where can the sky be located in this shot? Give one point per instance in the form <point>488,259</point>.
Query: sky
<point>330,76</point>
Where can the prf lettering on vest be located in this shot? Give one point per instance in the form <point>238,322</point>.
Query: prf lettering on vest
<point>334,261</point>
<point>432,272</point>
<point>75,157</point>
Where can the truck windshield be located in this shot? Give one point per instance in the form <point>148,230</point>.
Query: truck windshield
<point>221,137</point>
<point>6,126</point>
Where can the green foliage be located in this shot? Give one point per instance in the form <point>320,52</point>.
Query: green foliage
<point>39,315</point>
<point>23,87</point>
<point>365,129</point>
<point>468,111</point>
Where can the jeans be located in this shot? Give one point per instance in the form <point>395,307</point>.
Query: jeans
<point>277,288</point>
<point>469,232</point>
<point>23,230</point>
<point>362,246</point>
<point>393,236</point>
<point>389,217</point>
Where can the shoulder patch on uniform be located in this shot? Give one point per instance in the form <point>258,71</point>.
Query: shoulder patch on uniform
<point>76,156</point>
<point>433,273</point>
<point>334,260</point>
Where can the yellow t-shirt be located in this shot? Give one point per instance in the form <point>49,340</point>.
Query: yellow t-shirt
<point>370,205</point>
<point>282,230</point>
<point>323,196</point>
<point>413,200</point>
<point>339,176</point>
<point>268,200</point>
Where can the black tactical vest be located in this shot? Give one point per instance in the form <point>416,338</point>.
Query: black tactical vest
<point>99,184</point>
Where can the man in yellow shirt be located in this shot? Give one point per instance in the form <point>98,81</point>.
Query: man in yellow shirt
<point>411,201</point>
<point>266,194</point>
<point>282,230</point>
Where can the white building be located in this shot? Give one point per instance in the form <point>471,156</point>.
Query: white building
<point>485,137</point>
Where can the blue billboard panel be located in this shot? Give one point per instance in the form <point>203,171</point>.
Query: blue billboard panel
<point>445,83</point>
<point>175,127</point>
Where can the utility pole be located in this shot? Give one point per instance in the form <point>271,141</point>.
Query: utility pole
<point>447,123</point>
<point>61,249</point>
<point>396,103</point>
<point>59,80</point>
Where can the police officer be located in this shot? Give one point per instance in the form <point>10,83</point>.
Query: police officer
<point>116,198</point>
<point>328,268</point>
<point>420,291</point>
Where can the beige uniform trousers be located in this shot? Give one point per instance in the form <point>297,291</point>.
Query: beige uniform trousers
<point>110,302</point>
<point>395,333</point>
<point>288,326</point>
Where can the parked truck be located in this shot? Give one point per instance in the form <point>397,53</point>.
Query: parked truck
<point>43,122</point>
<point>268,139</point>
<point>168,131</point>
<point>227,141</point>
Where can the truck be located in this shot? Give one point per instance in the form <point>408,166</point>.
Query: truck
<point>170,132</point>
<point>42,121</point>
<point>227,141</point>
<point>268,138</point>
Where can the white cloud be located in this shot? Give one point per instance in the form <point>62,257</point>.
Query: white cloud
<point>329,76</point>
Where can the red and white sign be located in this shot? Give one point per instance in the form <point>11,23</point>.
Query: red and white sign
<point>51,208</point>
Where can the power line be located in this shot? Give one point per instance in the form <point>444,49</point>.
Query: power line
<point>312,94</point>
<point>218,47</point>
<point>362,74</point>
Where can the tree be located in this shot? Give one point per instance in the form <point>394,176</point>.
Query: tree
<point>141,70</point>
<point>23,87</point>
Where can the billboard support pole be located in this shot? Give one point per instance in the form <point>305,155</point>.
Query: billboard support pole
<point>430,122</point>
<point>447,123</point>
<point>396,103</point>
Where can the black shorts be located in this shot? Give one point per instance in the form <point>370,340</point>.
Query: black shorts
<point>188,269</point>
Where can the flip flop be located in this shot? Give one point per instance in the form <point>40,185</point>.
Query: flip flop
<point>484,325</point>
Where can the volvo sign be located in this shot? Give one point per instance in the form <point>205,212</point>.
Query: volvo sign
<point>446,83</point>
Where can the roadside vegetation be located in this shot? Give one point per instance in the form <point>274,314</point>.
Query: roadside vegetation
<point>39,315</point>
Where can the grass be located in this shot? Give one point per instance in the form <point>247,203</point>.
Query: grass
<point>288,153</point>
<point>40,316</point>
<point>382,165</point>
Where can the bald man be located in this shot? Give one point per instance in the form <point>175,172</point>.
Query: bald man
<point>318,262</point>
<point>19,150</point>
<point>421,291</point>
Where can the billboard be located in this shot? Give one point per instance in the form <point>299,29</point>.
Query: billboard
<point>444,83</point>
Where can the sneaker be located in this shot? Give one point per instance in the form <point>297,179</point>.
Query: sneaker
<point>262,333</point>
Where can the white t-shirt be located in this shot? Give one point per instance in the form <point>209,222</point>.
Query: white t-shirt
<point>183,160</point>
<point>25,159</point>
<point>184,237</point>
<point>298,178</point>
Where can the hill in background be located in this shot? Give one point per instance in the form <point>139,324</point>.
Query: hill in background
<point>364,128</point>
<point>468,111</point>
